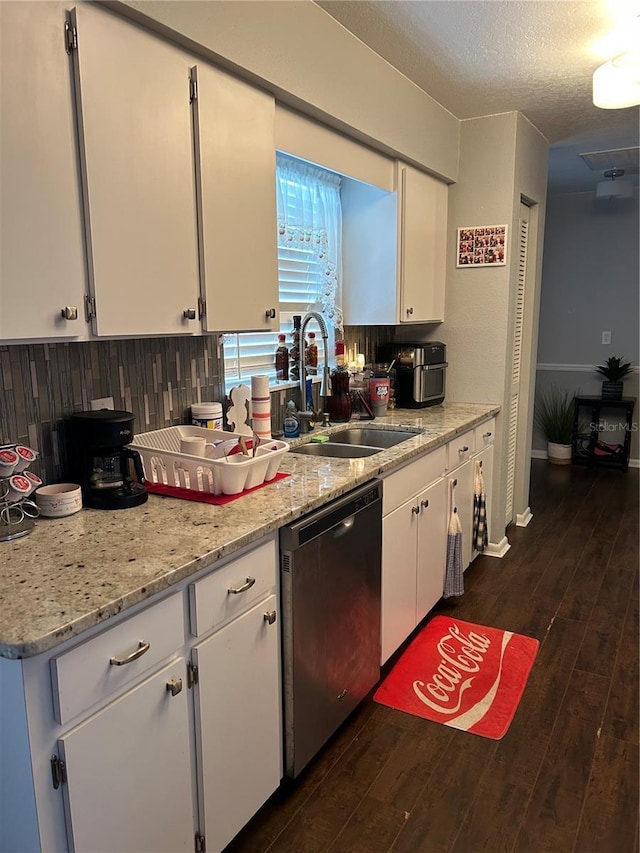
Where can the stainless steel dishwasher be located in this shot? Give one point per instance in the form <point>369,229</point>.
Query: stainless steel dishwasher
<point>330,565</point>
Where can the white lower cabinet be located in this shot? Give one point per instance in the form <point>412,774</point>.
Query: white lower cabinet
<point>417,505</point>
<point>413,546</point>
<point>413,563</point>
<point>462,480</point>
<point>432,548</point>
<point>238,723</point>
<point>128,771</point>
<point>149,736</point>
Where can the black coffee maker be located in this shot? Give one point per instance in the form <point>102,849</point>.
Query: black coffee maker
<point>100,461</point>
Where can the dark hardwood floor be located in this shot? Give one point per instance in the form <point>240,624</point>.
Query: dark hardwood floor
<point>565,776</point>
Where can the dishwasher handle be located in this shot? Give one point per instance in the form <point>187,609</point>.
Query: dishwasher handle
<point>344,526</point>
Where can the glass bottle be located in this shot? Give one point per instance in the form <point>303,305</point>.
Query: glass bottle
<point>311,354</point>
<point>339,403</point>
<point>282,358</point>
<point>294,352</point>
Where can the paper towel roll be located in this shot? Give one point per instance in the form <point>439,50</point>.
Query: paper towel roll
<point>260,387</point>
<point>261,406</point>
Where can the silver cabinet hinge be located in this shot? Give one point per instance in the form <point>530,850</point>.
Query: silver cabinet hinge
<point>58,772</point>
<point>202,308</point>
<point>192,674</point>
<point>70,37</point>
<point>201,846</point>
<point>193,90</point>
<point>89,307</point>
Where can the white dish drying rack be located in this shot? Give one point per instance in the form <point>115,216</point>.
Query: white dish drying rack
<point>217,474</point>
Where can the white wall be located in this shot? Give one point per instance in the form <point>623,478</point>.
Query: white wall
<point>589,285</point>
<point>311,62</point>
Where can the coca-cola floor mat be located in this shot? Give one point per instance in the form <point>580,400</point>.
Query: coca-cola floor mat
<point>462,675</point>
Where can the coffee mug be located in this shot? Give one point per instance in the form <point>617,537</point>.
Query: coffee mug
<point>196,446</point>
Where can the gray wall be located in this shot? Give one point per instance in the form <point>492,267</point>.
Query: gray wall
<point>589,285</point>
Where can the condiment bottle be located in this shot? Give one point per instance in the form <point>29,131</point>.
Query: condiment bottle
<point>282,358</point>
<point>294,352</point>
<point>311,354</point>
<point>339,403</point>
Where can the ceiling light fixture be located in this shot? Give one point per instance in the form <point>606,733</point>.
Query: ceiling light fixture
<point>616,84</point>
<point>614,188</point>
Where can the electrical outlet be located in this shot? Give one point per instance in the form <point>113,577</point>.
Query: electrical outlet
<point>101,403</point>
<point>606,337</point>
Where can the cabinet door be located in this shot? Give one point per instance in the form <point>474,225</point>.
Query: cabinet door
<point>236,165</point>
<point>423,244</point>
<point>136,148</point>
<point>463,497</point>
<point>399,555</point>
<point>129,780</point>
<point>486,458</point>
<point>42,266</point>
<point>432,547</point>
<point>238,722</point>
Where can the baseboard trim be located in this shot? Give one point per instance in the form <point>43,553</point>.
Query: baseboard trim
<point>523,518</point>
<point>497,549</point>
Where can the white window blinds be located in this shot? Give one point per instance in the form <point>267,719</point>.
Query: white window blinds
<point>309,219</point>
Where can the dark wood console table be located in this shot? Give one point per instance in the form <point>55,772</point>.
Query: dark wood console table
<point>585,450</point>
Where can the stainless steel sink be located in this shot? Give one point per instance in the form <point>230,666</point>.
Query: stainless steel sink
<point>355,442</point>
<point>338,451</point>
<point>371,437</point>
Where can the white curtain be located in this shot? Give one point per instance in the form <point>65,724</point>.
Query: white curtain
<point>310,216</point>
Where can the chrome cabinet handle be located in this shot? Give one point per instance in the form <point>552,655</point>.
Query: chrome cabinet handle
<point>415,510</point>
<point>245,586</point>
<point>142,649</point>
<point>69,312</point>
<point>174,686</point>
<point>189,314</point>
<point>270,314</point>
<point>270,617</point>
<point>424,504</point>
<point>463,449</point>
<point>487,435</point>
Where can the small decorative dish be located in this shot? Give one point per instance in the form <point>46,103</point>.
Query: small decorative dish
<point>59,500</point>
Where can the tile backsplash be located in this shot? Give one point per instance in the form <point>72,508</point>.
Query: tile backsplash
<point>157,379</point>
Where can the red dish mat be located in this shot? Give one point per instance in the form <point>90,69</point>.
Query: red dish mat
<point>206,497</point>
<point>466,676</point>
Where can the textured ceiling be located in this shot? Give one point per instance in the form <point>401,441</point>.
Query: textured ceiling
<point>479,57</point>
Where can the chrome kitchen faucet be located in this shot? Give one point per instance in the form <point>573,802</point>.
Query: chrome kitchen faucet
<point>325,386</point>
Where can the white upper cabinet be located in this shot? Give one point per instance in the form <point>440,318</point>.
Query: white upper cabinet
<point>42,270</point>
<point>422,235</point>
<point>136,147</point>
<point>394,250</point>
<point>235,158</point>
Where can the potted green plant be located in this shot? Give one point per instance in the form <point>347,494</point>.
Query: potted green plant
<point>614,370</point>
<point>554,416</point>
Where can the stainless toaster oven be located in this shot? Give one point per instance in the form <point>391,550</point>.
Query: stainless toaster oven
<point>421,370</point>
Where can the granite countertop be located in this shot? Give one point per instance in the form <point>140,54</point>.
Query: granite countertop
<point>73,573</point>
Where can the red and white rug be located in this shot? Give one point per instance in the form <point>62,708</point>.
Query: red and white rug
<point>462,675</point>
